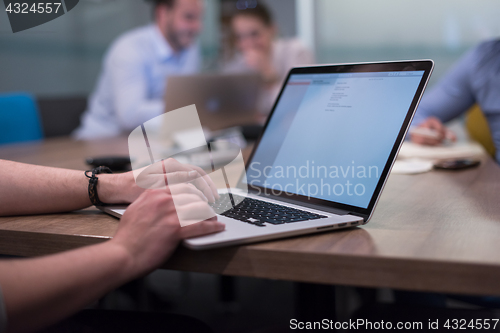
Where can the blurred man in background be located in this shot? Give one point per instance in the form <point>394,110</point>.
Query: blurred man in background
<point>474,79</point>
<point>131,86</point>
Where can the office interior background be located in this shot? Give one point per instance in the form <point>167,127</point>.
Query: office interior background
<point>63,57</point>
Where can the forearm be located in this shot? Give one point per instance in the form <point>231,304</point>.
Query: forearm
<point>48,289</point>
<point>30,189</point>
<point>451,96</point>
<point>441,104</point>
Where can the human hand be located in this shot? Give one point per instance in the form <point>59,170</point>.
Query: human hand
<point>431,132</point>
<point>150,229</point>
<point>261,62</point>
<point>170,171</point>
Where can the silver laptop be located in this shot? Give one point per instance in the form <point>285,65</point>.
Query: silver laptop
<point>325,152</point>
<point>222,101</point>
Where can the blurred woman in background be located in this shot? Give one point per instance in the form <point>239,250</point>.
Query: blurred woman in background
<point>257,50</point>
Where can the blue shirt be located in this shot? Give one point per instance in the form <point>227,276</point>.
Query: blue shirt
<point>132,83</point>
<point>475,78</point>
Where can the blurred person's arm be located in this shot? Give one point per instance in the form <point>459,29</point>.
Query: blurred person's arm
<point>41,291</point>
<point>450,98</point>
<point>431,132</point>
<point>301,55</point>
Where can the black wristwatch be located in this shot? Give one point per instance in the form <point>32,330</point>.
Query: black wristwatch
<point>94,198</point>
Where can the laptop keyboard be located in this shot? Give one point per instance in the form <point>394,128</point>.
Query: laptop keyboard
<point>259,212</point>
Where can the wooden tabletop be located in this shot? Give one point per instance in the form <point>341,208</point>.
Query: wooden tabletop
<point>438,231</point>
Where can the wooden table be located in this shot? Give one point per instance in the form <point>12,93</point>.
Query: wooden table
<point>438,231</point>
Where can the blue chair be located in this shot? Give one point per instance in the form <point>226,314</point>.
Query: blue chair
<point>19,119</point>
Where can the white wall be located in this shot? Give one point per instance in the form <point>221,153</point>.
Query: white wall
<point>367,30</point>
<point>448,23</point>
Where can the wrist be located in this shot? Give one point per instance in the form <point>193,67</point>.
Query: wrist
<point>108,188</point>
<point>134,265</point>
<point>118,188</point>
<point>126,267</point>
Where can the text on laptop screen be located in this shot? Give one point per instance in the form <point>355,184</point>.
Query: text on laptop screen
<point>331,135</point>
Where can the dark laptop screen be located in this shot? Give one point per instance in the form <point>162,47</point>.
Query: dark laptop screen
<point>331,135</point>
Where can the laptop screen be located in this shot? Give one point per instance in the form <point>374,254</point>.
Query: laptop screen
<point>331,134</point>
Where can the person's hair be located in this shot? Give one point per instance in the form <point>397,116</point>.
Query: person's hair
<point>168,3</point>
<point>260,11</point>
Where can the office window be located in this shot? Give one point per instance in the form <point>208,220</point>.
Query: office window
<point>366,30</point>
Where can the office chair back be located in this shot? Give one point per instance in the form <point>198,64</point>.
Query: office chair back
<point>61,115</point>
<point>19,119</point>
<point>478,129</point>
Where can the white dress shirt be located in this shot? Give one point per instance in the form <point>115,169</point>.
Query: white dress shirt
<point>132,83</point>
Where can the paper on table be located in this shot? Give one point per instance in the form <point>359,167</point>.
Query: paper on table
<point>411,166</point>
<point>452,151</point>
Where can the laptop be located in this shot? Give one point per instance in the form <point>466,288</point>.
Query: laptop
<point>222,101</point>
<point>324,155</point>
